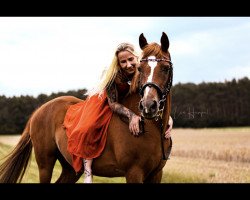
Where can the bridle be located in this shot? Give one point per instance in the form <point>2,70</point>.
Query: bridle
<point>162,93</point>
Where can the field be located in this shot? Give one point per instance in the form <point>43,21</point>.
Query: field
<point>198,156</point>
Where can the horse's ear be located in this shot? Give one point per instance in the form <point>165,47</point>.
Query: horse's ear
<point>164,42</point>
<point>142,41</point>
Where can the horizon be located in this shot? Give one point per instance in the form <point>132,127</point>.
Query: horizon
<point>84,88</point>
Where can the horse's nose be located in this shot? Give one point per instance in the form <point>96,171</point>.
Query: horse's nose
<point>149,107</point>
<point>152,106</point>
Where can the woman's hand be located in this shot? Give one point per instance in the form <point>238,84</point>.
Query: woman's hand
<point>170,126</point>
<point>134,124</point>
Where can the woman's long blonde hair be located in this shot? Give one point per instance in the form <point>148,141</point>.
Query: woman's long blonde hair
<point>109,75</point>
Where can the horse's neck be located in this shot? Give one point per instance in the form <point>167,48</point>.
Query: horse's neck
<point>132,102</point>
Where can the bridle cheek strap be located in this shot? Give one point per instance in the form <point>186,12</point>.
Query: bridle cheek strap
<point>162,94</point>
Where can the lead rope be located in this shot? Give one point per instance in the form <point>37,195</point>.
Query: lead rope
<point>164,157</point>
<point>161,132</point>
<point>162,140</point>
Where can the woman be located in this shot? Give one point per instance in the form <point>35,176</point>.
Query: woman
<point>86,123</point>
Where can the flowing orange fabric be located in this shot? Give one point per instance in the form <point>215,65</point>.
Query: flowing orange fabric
<point>86,126</point>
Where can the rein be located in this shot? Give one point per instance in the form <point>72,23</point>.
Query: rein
<point>163,95</point>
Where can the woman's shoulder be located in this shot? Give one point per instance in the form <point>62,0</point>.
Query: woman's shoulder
<point>122,78</point>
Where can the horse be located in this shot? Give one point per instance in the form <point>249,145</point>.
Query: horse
<point>139,159</point>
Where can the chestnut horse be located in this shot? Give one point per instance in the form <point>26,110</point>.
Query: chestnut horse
<point>138,159</point>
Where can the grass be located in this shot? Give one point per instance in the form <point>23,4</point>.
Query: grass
<point>217,155</point>
<point>214,144</point>
<point>198,156</point>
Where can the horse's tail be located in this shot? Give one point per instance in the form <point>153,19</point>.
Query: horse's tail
<point>13,168</point>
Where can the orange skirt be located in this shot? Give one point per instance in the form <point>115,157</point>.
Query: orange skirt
<point>86,126</point>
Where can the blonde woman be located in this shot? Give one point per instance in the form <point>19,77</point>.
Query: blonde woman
<point>86,123</point>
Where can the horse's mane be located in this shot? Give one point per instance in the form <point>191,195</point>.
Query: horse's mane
<point>152,49</point>
<point>134,83</point>
<point>155,49</point>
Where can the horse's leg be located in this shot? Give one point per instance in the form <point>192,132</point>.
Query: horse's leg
<point>45,151</point>
<point>45,165</point>
<point>68,174</point>
<point>46,162</point>
<point>156,178</point>
<point>134,175</point>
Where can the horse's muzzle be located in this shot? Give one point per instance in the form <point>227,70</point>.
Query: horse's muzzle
<point>149,108</point>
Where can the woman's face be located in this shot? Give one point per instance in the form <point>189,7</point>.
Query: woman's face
<point>128,62</point>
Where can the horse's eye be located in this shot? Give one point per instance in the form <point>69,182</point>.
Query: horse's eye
<point>165,69</point>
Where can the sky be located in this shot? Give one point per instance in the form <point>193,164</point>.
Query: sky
<point>41,55</point>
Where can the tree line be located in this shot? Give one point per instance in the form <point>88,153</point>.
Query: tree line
<point>15,111</point>
<point>211,104</point>
<point>193,105</point>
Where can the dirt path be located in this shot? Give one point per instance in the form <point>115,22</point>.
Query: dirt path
<point>10,140</point>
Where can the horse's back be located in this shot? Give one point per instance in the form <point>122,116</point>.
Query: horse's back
<point>54,109</point>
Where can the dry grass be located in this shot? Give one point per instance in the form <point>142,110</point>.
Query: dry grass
<point>206,171</point>
<point>198,156</point>
<point>215,144</point>
<point>9,139</point>
<point>212,155</point>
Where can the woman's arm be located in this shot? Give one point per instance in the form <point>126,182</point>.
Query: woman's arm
<point>122,110</point>
<point>170,126</point>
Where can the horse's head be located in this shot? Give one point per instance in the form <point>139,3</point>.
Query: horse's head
<point>156,75</point>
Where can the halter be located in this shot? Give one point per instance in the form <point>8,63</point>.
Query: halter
<point>162,93</point>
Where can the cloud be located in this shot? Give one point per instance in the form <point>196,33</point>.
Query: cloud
<point>50,54</point>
